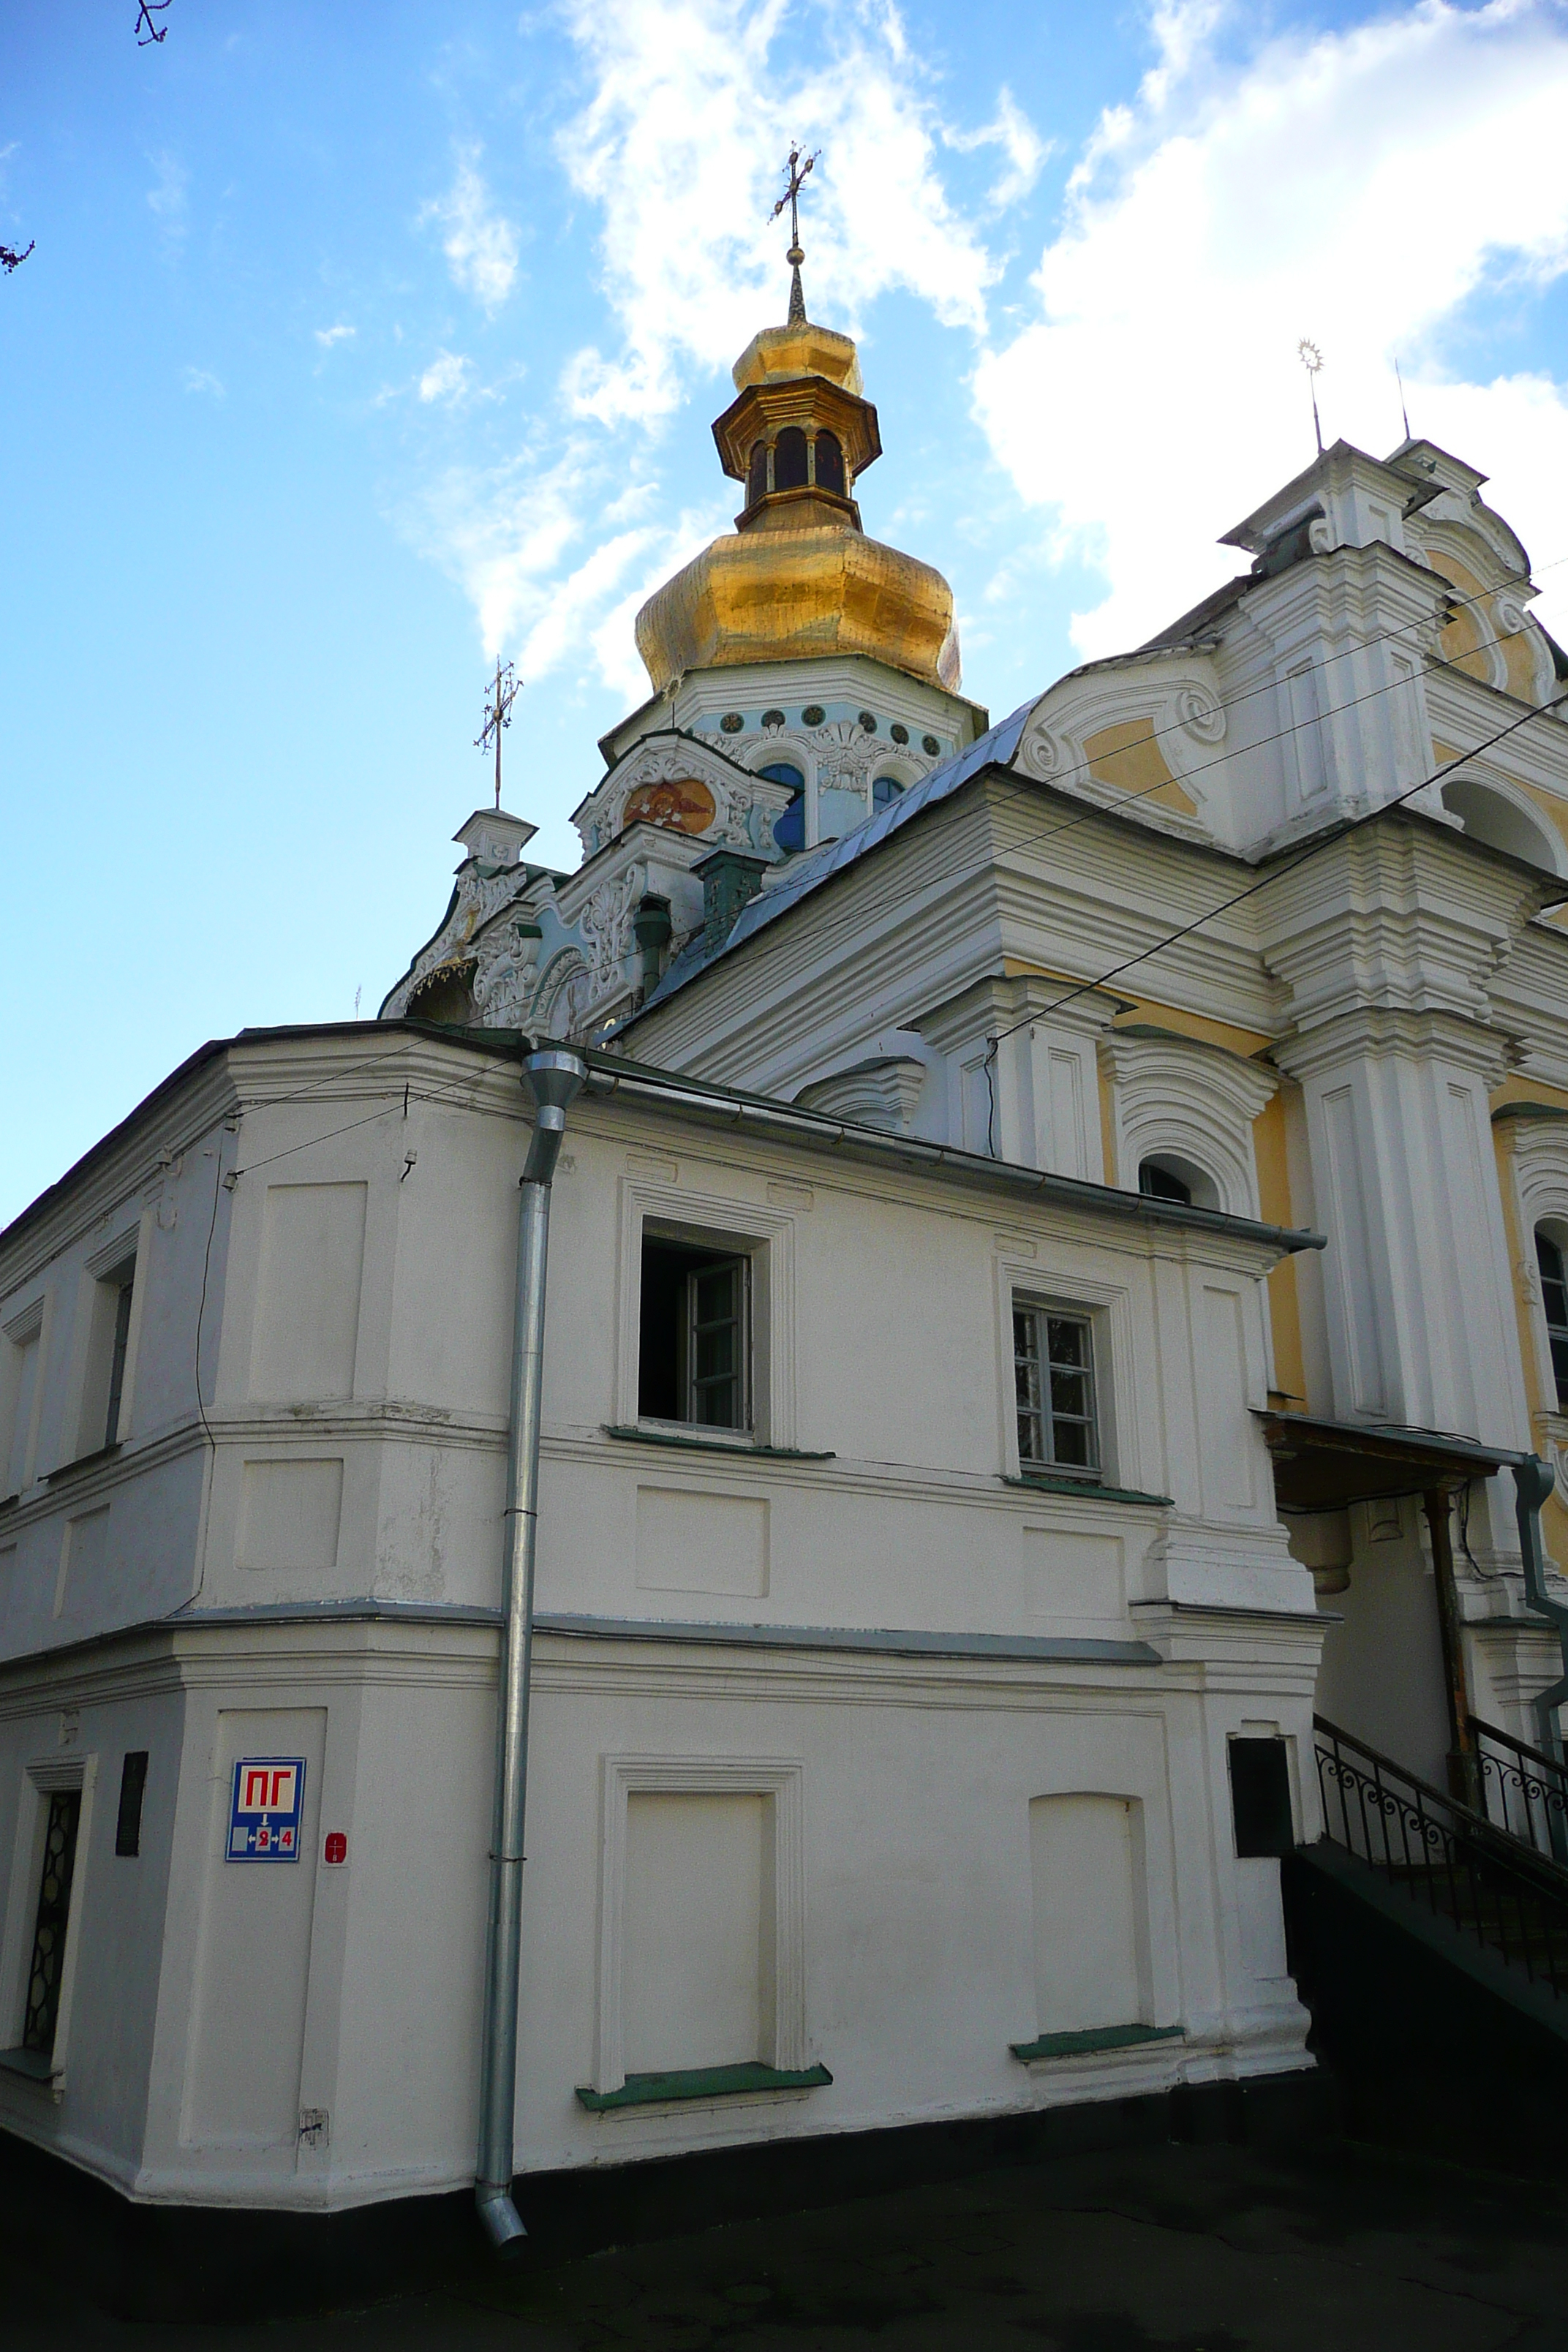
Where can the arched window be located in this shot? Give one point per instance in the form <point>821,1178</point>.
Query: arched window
<point>789,825</point>
<point>757,473</point>
<point>1555,1299</point>
<point>829,462</point>
<point>1491,817</point>
<point>885,791</point>
<point>789,459</point>
<point>1163,1184</point>
<point>1167,1176</point>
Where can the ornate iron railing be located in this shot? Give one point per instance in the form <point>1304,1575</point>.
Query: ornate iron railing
<point>1522,1789</point>
<point>1482,1879</point>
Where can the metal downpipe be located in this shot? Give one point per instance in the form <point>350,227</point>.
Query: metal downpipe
<point>553,1079</point>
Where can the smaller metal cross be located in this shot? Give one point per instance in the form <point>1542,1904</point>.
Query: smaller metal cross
<point>794,170</point>
<point>1311,359</point>
<point>498,700</point>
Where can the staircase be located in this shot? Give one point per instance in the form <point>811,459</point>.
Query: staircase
<point>1493,1876</point>
<point>1429,1939</point>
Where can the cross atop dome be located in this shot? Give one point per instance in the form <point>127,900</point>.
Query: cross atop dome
<point>795,171</point>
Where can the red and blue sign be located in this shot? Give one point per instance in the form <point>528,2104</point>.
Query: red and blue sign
<point>266,1819</point>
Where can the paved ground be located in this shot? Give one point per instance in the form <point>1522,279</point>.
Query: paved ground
<point>1166,2250</point>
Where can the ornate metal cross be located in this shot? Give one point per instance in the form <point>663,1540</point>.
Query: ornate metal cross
<point>498,700</point>
<point>794,170</point>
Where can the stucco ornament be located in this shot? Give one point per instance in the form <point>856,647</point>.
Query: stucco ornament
<point>605,926</point>
<point>1039,751</point>
<point>1200,714</point>
<point>503,983</point>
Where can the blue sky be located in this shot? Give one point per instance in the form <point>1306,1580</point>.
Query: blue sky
<point>360,343</point>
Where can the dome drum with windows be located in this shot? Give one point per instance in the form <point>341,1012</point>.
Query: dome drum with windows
<point>798,577</point>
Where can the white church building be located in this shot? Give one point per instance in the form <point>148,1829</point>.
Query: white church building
<point>1056,1249</point>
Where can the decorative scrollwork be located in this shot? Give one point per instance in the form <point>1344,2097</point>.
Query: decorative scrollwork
<point>1039,754</point>
<point>1200,714</point>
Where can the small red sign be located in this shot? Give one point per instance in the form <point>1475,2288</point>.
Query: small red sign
<point>337,1847</point>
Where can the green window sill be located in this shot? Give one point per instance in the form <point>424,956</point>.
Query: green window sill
<point>33,2065</point>
<point>701,2082</point>
<point>1099,2037</point>
<point>82,1461</point>
<point>1047,1481</point>
<point>743,1447</point>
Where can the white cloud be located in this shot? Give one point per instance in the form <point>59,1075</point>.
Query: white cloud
<point>203,380</point>
<point>1025,152</point>
<point>1359,186</point>
<point>480,244</point>
<point>328,336</point>
<point>680,146</point>
<point>445,378</point>
<point>168,201</point>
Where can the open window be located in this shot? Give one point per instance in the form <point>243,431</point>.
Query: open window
<point>1053,1389</point>
<point>1167,1176</point>
<point>695,1339</point>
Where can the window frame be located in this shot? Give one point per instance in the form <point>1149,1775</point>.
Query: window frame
<point>1041,1314</point>
<point>1541,1233</point>
<point>43,1778</point>
<point>664,1209</point>
<point>112,1284</point>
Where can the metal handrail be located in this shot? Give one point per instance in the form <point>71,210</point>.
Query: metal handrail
<point>1522,1789</point>
<point>1483,1880</point>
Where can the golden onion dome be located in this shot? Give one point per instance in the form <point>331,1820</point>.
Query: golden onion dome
<point>798,578</point>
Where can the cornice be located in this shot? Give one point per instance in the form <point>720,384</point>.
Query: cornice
<point>1380,1032</point>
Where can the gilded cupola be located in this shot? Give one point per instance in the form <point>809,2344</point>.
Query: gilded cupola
<point>798,578</point>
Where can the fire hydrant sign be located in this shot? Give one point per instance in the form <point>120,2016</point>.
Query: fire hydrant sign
<point>264,1823</point>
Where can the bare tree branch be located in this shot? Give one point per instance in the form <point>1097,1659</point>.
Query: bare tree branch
<point>10,260</point>
<point>144,15</point>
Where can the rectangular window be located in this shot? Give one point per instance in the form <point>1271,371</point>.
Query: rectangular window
<point>694,1346</point>
<point>123,1288</point>
<point>132,1787</point>
<point>47,1961</point>
<point>1053,1375</point>
<point>1554,1301</point>
<point>108,1345</point>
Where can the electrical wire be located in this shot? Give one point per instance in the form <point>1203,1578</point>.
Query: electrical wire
<point>1276,874</point>
<point>1126,800</point>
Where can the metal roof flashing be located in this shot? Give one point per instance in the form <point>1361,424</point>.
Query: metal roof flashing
<point>610,1076</point>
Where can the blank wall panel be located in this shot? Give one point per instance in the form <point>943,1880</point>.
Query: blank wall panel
<point>689,1542</point>
<point>307,1311</point>
<point>697,1968</point>
<point>1072,1575</point>
<point>1086,1864</point>
<point>289,1514</point>
<point>84,1559</point>
<point>1224,1427</point>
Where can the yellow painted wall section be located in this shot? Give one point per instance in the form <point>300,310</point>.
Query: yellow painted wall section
<point>1128,759</point>
<point>1462,638</point>
<point>1519,656</point>
<point>1554,1515</point>
<point>1274,1204</point>
<point>1246,1042</point>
